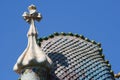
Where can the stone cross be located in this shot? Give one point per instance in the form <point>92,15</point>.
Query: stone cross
<point>32,15</point>
<point>33,62</point>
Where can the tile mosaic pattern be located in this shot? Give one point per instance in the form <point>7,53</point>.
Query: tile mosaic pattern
<point>75,57</point>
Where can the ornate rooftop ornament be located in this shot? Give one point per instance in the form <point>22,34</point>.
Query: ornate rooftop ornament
<point>33,14</point>
<point>33,57</point>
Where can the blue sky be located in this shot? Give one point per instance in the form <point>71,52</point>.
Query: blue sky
<point>97,20</point>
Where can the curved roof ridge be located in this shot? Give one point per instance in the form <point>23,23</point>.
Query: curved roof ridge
<point>70,34</point>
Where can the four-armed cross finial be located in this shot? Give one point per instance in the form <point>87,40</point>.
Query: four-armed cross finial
<point>32,15</point>
<point>33,57</point>
<point>30,18</point>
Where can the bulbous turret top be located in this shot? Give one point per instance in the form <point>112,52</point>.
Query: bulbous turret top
<point>33,56</point>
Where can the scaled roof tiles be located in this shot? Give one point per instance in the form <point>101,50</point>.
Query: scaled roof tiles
<point>75,57</point>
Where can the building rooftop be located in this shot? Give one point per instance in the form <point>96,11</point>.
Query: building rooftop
<point>61,56</point>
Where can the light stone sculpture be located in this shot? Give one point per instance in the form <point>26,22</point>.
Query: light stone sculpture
<point>33,59</point>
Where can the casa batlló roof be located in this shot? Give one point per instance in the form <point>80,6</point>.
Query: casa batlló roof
<point>62,56</point>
